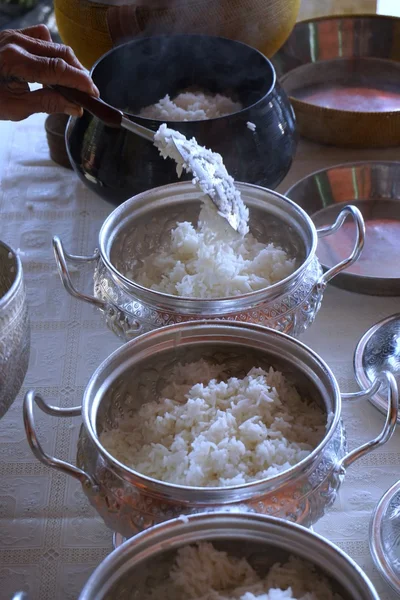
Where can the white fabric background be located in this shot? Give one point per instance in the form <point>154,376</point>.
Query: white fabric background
<point>50,539</point>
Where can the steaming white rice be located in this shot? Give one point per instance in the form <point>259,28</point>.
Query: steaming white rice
<point>212,261</point>
<point>201,572</point>
<point>191,106</point>
<point>218,432</point>
<point>209,174</point>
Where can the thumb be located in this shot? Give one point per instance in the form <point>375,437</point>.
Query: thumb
<point>49,101</point>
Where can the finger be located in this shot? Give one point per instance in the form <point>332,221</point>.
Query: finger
<point>41,47</point>
<point>15,87</point>
<point>49,49</point>
<point>17,62</point>
<point>51,102</point>
<point>47,101</point>
<point>39,32</point>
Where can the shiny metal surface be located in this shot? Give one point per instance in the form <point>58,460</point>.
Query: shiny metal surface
<point>262,540</point>
<point>384,536</point>
<point>14,327</point>
<point>140,130</point>
<point>374,187</point>
<point>118,540</point>
<point>340,73</point>
<point>379,350</point>
<point>130,502</point>
<point>142,225</point>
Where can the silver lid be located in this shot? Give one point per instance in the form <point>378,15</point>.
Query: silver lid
<point>377,351</point>
<point>385,535</point>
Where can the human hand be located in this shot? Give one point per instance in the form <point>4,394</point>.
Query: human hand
<point>29,56</point>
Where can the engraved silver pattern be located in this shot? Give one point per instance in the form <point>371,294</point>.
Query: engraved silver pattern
<point>291,313</point>
<point>14,328</point>
<point>128,510</point>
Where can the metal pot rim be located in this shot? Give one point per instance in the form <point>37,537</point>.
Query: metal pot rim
<point>156,298</point>
<point>10,293</point>
<point>219,525</point>
<point>139,40</point>
<point>253,488</point>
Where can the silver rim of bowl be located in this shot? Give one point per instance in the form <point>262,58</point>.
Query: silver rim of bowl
<point>12,290</point>
<point>375,538</point>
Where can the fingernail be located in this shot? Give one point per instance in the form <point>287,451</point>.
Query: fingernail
<point>74,111</point>
<point>96,91</point>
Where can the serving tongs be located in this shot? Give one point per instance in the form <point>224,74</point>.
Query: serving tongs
<point>113,117</point>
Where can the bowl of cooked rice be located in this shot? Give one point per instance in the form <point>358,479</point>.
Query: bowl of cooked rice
<point>222,92</point>
<point>167,256</point>
<point>228,557</point>
<point>206,416</point>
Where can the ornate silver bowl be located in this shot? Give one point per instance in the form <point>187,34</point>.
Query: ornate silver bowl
<point>130,502</point>
<point>14,327</point>
<point>145,561</point>
<point>143,224</point>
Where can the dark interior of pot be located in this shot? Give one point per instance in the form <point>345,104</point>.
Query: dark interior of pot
<point>8,269</point>
<point>118,164</point>
<point>146,228</point>
<point>138,74</point>
<point>153,574</point>
<point>144,380</point>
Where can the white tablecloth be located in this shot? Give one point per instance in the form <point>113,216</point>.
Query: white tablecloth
<point>50,539</point>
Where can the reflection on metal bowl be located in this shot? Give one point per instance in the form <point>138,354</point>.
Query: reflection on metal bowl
<point>117,164</point>
<point>374,187</point>
<point>341,75</point>
<point>130,502</point>
<point>379,350</point>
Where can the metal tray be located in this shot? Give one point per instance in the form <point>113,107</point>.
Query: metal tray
<point>384,539</point>
<point>374,187</point>
<point>341,76</point>
<point>378,351</point>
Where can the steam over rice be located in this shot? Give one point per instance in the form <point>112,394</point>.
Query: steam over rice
<point>191,106</point>
<point>212,261</point>
<point>218,432</point>
<point>201,572</point>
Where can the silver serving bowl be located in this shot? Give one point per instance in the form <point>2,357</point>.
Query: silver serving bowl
<point>143,224</point>
<point>374,187</point>
<point>14,327</point>
<point>146,560</point>
<point>130,502</point>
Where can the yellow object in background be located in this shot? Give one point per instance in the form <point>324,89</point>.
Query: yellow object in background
<point>312,9</point>
<point>263,24</point>
<point>83,26</point>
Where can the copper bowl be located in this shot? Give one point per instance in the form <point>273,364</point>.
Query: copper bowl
<point>341,75</point>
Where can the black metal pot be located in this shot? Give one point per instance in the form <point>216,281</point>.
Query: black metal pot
<point>117,164</point>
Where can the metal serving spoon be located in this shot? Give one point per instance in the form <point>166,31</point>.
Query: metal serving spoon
<point>114,117</point>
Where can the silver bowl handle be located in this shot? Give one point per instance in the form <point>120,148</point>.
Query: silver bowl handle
<point>391,417</point>
<point>29,422</point>
<point>61,259</point>
<point>354,212</point>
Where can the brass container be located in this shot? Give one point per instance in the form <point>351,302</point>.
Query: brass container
<point>93,28</point>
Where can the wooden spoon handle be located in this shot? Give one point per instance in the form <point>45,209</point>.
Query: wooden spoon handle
<point>108,114</point>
